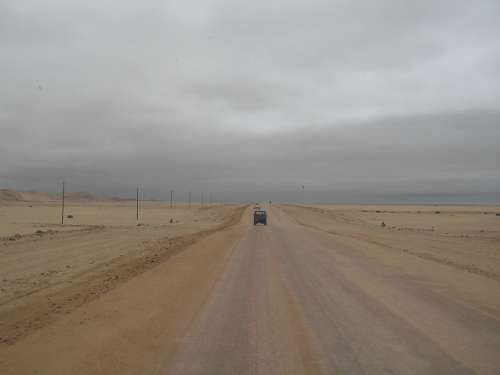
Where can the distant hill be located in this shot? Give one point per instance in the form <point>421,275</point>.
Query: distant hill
<point>9,195</point>
<point>120,199</point>
<point>80,196</point>
<point>37,196</point>
<point>14,195</point>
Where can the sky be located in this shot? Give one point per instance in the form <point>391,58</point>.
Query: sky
<point>251,99</point>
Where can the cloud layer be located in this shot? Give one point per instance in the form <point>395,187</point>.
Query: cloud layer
<point>250,98</point>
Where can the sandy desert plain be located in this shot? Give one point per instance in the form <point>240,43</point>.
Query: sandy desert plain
<point>54,279</point>
<point>48,269</point>
<point>465,237</point>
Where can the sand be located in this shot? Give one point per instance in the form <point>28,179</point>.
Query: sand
<point>464,237</point>
<point>48,269</point>
<point>338,293</point>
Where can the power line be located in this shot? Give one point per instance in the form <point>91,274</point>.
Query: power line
<point>62,208</point>
<point>137,205</point>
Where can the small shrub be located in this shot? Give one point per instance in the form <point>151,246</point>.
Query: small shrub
<point>382,224</point>
<point>70,216</point>
<point>437,212</point>
<point>171,221</point>
<point>15,237</point>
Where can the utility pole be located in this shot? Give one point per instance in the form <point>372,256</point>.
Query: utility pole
<point>62,208</point>
<point>171,198</point>
<point>137,205</point>
<point>201,199</point>
<point>189,199</point>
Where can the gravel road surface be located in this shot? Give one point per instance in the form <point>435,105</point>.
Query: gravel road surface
<point>275,299</point>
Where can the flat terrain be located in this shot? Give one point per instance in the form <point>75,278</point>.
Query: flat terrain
<point>28,217</point>
<point>320,290</point>
<point>48,269</point>
<point>464,237</point>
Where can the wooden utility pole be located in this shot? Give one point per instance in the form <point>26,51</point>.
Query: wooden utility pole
<point>137,204</point>
<point>189,199</point>
<point>202,199</point>
<point>171,198</point>
<point>62,208</point>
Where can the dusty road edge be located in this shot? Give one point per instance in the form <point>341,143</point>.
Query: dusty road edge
<point>20,321</point>
<point>425,256</point>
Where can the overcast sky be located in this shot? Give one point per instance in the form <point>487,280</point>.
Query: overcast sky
<point>250,98</point>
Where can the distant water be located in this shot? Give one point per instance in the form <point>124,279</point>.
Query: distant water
<point>482,198</point>
<point>442,198</point>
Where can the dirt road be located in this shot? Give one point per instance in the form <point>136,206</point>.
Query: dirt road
<point>277,299</point>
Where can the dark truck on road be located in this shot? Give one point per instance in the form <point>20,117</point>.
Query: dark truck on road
<point>259,216</point>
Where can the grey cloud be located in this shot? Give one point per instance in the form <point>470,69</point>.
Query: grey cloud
<point>411,154</point>
<point>250,97</point>
<point>246,96</point>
